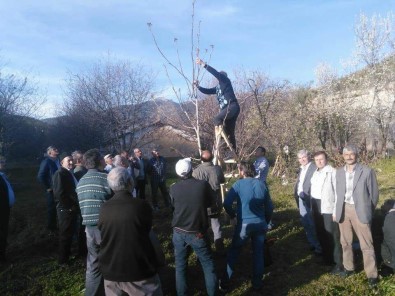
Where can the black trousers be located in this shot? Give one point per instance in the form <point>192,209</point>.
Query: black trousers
<point>328,234</point>
<point>140,188</point>
<point>155,185</point>
<point>67,219</point>
<point>4,221</point>
<point>228,117</point>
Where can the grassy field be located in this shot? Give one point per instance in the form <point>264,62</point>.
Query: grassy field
<point>32,268</point>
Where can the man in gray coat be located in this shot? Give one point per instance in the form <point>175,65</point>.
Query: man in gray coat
<point>357,195</point>
<point>214,176</point>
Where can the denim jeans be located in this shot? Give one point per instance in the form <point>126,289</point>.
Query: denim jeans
<point>202,250</point>
<point>306,217</point>
<point>255,230</point>
<point>94,284</point>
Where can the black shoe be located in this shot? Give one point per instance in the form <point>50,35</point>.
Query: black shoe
<point>223,286</point>
<point>373,282</point>
<point>345,273</point>
<point>337,270</point>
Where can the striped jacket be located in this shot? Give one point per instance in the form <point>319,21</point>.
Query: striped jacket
<point>92,191</point>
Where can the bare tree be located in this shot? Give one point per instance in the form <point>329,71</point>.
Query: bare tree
<point>192,117</point>
<point>110,96</point>
<point>376,52</point>
<point>19,96</point>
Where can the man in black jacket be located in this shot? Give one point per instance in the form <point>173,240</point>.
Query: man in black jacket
<point>229,107</point>
<point>191,198</point>
<point>127,258</point>
<point>64,184</point>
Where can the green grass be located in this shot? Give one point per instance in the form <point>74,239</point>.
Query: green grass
<point>32,268</point>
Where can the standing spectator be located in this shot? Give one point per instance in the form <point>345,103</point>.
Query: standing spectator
<point>109,163</point>
<point>49,165</point>
<point>388,245</point>
<point>214,176</point>
<point>7,200</point>
<point>191,198</point>
<point>253,213</point>
<point>261,164</point>
<point>357,195</point>
<point>93,191</point>
<point>64,184</point>
<point>323,205</point>
<point>158,179</point>
<point>143,166</point>
<point>127,258</point>
<point>302,197</point>
<point>79,169</point>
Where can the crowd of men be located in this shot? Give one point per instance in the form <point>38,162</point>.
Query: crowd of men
<point>101,201</point>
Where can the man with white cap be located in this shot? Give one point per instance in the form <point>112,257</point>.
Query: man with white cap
<point>191,199</point>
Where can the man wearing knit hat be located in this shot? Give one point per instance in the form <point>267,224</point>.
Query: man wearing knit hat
<point>191,198</point>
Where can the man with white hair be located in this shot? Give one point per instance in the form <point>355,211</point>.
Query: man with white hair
<point>357,196</point>
<point>302,194</point>
<point>191,198</point>
<point>127,257</point>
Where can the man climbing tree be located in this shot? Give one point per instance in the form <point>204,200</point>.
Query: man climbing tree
<point>228,104</point>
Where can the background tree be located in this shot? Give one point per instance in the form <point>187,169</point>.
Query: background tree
<point>107,101</point>
<point>194,109</point>
<point>19,98</point>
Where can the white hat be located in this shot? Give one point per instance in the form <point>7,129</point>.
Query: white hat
<point>107,156</point>
<point>183,167</point>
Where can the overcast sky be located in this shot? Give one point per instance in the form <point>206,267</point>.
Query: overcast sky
<point>286,39</point>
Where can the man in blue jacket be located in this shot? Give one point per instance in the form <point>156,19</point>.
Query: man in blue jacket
<point>49,165</point>
<point>253,213</point>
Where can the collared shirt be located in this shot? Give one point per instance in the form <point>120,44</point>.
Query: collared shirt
<point>303,171</point>
<point>317,181</point>
<point>348,198</point>
<point>261,166</point>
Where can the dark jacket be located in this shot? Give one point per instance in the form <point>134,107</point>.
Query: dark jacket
<point>225,93</point>
<point>79,171</point>
<point>147,166</point>
<point>388,245</point>
<point>48,168</point>
<point>190,199</point>
<point>214,176</point>
<point>64,189</point>
<point>126,252</point>
<point>306,185</point>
